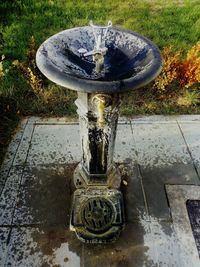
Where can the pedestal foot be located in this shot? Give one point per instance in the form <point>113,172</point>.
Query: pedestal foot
<point>97,214</point>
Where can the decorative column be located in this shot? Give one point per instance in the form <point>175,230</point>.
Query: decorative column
<point>97,211</point>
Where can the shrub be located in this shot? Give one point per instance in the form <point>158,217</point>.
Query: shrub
<point>189,68</point>
<point>169,72</point>
<point>185,71</point>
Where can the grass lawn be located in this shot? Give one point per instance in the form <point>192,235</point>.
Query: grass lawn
<point>166,23</point>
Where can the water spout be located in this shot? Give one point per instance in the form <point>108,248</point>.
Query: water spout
<point>100,49</point>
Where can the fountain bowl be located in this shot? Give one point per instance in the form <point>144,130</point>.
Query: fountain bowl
<point>131,61</point>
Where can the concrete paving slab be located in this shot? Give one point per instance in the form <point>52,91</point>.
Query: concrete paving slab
<point>178,195</point>
<point>188,118</point>
<point>124,120</point>
<point>16,140</point>
<point>54,144</point>
<point>34,247</point>
<point>11,151</point>
<point>3,175</point>
<point>1,188</point>
<point>163,158</point>
<point>159,145</point>
<point>4,233</point>
<point>154,180</point>
<point>22,152</point>
<point>130,250</point>
<point>57,246</point>
<point>35,200</point>
<point>191,133</point>
<point>165,119</point>
<point>153,118</point>
<point>58,144</point>
<point>132,192</point>
<point>166,244</point>
<point>44,196</point>
<point>8,197</point>
<point>124,147</point>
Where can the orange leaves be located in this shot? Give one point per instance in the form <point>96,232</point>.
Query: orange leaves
<point>189,73</point>
<point>169,72</point>
<point>186,71</point>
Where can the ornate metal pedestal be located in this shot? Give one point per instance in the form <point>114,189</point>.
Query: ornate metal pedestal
<point>108,61</point>
<point>97,210</point>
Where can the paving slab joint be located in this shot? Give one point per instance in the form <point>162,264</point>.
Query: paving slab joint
<point>189,152</point>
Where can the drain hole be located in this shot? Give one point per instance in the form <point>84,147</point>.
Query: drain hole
<point>93,222</point>
<point>78,182</point>
<point>101,204</point>
<point>85,218</point>
<point>97,214</point>
<point>89,206</point>
<point>118,218</point>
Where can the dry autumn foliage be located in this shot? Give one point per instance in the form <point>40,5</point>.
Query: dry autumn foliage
<point>185,71</point>
<point>169,72</point>
<point>189,69</point>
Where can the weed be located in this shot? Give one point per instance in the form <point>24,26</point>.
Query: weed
<point>188,99</point>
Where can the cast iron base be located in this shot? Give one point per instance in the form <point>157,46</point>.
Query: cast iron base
<point>97,214</point>
<point>82,179</point>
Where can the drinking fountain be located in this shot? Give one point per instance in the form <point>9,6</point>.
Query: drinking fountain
<point>100,63</point>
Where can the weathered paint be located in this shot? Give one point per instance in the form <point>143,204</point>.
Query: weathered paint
<point>146,240</point>
<point>97,142</point>
<point>131,61</point>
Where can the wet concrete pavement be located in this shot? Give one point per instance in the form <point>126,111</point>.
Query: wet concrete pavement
<point>159,160</point>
